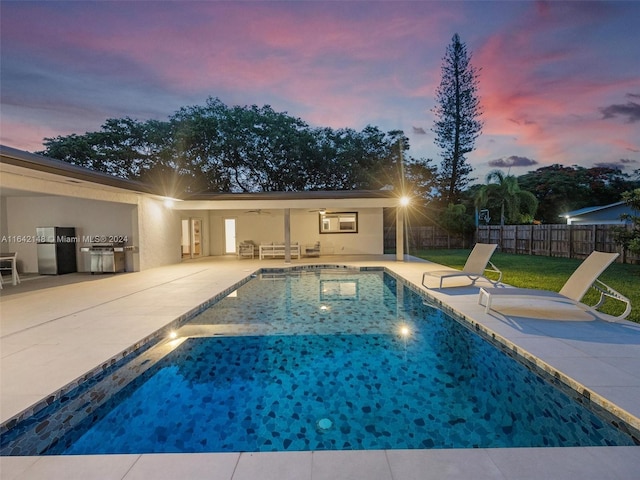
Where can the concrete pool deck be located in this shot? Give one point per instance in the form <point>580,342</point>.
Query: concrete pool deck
<point>53,331</point>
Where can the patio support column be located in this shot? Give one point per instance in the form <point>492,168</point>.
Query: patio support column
<point>287,235</point>
<point>399,233</point>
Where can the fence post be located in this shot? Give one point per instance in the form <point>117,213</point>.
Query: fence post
<point>530,239</point>
<point>570,235</point>
<point>624,250</point>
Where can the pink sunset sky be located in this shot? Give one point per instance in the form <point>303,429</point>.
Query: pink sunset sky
<point>559,81</point>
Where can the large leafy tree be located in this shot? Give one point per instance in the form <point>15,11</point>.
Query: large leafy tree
<point>122,147</point>
<point>458,122</point>
<point>455,220</point>
<point>420,180</point>
<point>216,148</point>
<point>560,189</point>
<point>502,192</point>
<point>192,157</point>
<point>629,236</point>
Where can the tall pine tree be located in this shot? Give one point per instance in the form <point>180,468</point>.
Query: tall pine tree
<point>457,119</point>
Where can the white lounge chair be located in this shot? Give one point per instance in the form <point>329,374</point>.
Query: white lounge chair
<point>474,267</point>
<point>585,277</point>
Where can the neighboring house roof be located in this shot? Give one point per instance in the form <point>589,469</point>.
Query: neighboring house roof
<point>603,214</point>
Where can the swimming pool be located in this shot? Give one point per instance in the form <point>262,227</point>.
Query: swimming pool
<point>316,360</point>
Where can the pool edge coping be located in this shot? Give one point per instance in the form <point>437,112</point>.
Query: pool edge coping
<point>583,393</point>
<point>529,360</point>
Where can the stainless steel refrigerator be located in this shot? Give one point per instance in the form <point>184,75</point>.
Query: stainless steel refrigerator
<point>56,250</point>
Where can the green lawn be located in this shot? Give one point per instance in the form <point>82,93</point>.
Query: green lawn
<point>550,273</point>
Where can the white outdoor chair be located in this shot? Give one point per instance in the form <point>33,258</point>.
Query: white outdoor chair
<point>474,268</point>
<point>312,250</point>
<point>8,262</point>
<point>246,249</point>
<point>585,277</point>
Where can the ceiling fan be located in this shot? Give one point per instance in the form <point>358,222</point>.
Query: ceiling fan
<point>319,210</point>
<point>258,211</point>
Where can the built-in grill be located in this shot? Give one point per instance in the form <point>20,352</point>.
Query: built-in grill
<point>106,257</point>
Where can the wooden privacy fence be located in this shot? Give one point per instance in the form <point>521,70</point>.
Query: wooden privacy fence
<point>424,238</point>
<point>570,241</point>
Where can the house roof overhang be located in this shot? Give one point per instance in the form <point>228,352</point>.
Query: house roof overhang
<point>309,199</point>
<point>46,168</point>
<point>40,175</point>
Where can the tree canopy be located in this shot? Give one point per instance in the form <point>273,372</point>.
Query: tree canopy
<point>629,236</point>
<point>217,148</point>
<point>560,189</point>
<point>503,194</point>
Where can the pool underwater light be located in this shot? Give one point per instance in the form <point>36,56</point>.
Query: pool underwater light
<point>324,424</point>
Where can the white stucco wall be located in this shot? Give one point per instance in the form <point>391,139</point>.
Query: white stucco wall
<point>3,219</point>
<point>269,227</point>
<point>150,226</point>
<point>32,198</point>
<point>91,218</point>
<point>158,234</point>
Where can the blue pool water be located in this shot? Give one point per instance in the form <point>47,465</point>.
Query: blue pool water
<point>332,361</point>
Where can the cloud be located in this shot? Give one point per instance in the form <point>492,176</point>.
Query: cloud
<point>73,64</point>
<point>631,110</point>
<point>541,92</point>
<point>621,164</point>
<point>512,161</point>
<point>614,166</point>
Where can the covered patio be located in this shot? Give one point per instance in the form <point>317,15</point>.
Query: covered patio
<point>161,228</point>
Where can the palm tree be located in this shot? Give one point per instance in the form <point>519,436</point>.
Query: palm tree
<point>516,205</point>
